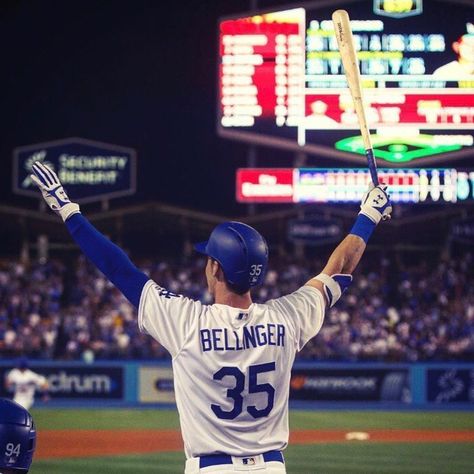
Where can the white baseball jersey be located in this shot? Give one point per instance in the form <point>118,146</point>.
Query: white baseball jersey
<point>25,383</point>
<point>231,366</point>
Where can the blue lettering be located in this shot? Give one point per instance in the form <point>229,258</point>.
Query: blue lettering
<point>271,335</point>
<point>261,335</point>
<point>216,338</point>
<point>280,335</point>
<point>223,339</point>
<point>238,347</point>
<point>168,294</point>
<point>249,337</point>
<point>226,341</point>
<point>205,340</point>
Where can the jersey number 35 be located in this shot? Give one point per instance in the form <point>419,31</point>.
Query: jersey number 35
<point>253,387</point>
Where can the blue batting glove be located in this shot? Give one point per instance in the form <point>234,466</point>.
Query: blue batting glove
<point>52,190</point>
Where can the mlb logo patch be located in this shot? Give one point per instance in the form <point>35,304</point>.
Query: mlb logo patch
<point>249,461</point>
<point>242,316</point>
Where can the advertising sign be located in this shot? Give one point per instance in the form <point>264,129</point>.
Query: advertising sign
<point>340,185</point>
<point>463,231</point>
<point>450,385</point>
<point>264,185</point>
<point>356,385</point>
<point>315,231</point>
<point>71,382</point>
<point>89,170</point>
<point>156,385</point>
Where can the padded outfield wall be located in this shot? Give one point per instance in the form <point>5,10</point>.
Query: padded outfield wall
<point>313,385</point>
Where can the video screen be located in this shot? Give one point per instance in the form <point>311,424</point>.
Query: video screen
<point>282,83</point>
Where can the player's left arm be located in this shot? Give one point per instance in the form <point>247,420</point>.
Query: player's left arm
<point>306,307</point>
<point>337,274</point>
<point>107,257</point>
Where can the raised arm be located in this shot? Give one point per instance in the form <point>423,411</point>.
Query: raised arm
<point>107,257</point>
<point>336,275</point>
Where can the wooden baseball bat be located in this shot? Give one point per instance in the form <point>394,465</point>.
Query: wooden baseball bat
<point>345,41</point>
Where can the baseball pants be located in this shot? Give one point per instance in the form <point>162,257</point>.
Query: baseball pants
<point>239,464</point>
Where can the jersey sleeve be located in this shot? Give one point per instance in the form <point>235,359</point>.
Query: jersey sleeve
<point>39,380</point>
<point>166,316</point>
<point>304,310</point>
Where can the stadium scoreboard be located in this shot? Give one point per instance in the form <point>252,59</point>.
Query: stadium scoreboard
<point>345,185</point>
<point>281,80</point>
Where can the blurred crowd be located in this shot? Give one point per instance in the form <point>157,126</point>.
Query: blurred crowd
<point>392,312</point>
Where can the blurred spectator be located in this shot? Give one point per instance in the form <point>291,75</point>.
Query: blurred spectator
<point>414,313</point>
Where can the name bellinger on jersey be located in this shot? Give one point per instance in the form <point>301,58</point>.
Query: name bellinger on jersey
<point>232,367</point>
<point>248,337</point>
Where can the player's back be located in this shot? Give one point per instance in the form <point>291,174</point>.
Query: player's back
<point>232,366</point>
<point>232,379</point>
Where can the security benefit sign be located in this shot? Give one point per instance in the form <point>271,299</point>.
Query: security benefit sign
<point>156,385</point>
<point>89,170</point>
<point>450,385</point>
<point>355,384</point>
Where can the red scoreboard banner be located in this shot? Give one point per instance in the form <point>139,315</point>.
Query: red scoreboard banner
<point>268,185</point>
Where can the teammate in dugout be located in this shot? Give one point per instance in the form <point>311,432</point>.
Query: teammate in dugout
<point>231,360</point>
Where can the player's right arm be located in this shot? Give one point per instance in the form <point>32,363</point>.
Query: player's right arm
<point>337,274</point>
<point>108,257</point>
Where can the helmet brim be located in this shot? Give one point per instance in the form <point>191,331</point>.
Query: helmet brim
<point>201,247</point>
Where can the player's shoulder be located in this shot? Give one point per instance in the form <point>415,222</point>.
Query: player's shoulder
<point>305,292</point>
<point>155,297</point>
<point>164,294</point>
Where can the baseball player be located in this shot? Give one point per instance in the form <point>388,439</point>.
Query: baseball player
<point>17,438</point>
<point>232,359</point>
<point>24,383</point>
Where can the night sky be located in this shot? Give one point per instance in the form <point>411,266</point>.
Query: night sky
<point>141,74</point>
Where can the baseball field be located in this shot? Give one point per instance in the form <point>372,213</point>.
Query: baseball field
<point>88,441</point>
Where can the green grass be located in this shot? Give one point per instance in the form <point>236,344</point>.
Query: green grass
<point>328,459</point>
<point>355,420</point>
<point>165,463</point>
<point>107,419</point>
<point>337,458</point>
<point>381,458</point>
<point>299,419</point>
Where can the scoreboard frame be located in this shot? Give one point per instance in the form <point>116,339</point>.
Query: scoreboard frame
<point>324,151</point>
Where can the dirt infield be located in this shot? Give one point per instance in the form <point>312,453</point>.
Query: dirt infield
<point>88,443</point>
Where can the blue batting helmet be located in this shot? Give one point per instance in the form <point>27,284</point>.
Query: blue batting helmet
<point>241,252</point>
<point>23,363</point>
<point>17,437</point>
